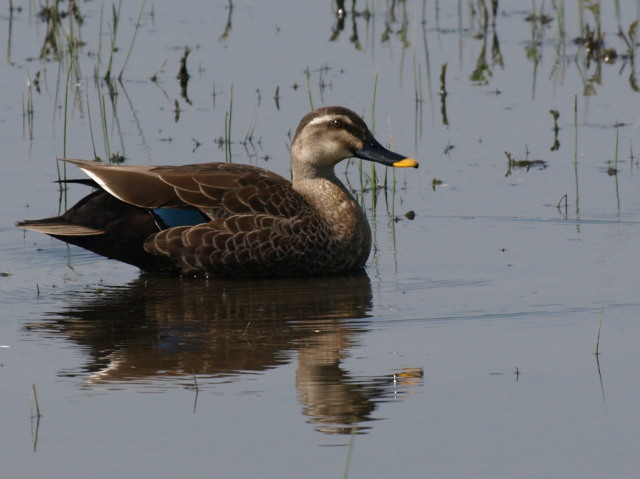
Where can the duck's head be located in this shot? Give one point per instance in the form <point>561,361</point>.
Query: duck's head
<point>331,134</point>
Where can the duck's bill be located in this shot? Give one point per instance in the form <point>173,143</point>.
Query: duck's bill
<point>374,151</point>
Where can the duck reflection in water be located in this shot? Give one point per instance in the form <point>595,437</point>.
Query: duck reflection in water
<point>159,328</point>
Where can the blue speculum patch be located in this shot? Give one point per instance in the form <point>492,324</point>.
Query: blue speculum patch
<point>172,217</point>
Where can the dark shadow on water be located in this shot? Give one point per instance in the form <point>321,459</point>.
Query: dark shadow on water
<point>161,331</point>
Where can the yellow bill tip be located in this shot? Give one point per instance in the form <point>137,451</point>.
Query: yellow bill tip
<point>406,163</point>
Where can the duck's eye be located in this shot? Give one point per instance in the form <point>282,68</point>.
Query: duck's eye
<point>335,124</point>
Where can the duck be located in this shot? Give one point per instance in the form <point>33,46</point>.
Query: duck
<point>229,219</point>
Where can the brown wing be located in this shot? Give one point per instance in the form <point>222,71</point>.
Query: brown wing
<point>218,189</point>
<point>136,185</point>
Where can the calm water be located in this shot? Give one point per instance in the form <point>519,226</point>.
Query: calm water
<point>466,349</point>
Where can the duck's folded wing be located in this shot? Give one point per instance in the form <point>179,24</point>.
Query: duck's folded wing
<point>136,185</point>
<point>224,189</point>
<point>217,189</point>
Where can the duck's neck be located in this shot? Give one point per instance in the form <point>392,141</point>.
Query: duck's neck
<point>331,199</point>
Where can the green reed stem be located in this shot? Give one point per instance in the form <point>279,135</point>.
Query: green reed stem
<point>72,61</point>
<point>347,464</point>
<point>133,39</point>
<point>374,175</point>
<point>598,336</point>
<point>615,159</point>
<point>99,55</point>
<point>114,33</point>
<point>93,141</point>
<point>575,150</point>
<point>105,130</point>
<point>227,128</point>
<point>308,73</point>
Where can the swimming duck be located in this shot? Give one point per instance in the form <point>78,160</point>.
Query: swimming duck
<point>225,219</point>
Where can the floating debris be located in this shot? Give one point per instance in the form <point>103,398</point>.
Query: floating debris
<point>183,75</point>
<point>527,164</point>
<point>556,142</point>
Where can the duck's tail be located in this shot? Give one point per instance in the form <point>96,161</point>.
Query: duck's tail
<point>107,226</point>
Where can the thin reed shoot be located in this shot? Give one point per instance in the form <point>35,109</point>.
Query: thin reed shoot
<point>133,39</point>
<point>598,336</point>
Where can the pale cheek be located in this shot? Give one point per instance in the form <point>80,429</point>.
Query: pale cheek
<point>337,152</point>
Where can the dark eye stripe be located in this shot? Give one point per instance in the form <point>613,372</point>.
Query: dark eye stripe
<point>347,126</point>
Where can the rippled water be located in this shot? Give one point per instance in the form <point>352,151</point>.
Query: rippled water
<point>466,348</point>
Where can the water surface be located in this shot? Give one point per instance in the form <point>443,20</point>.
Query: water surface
<point>466,348</point>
